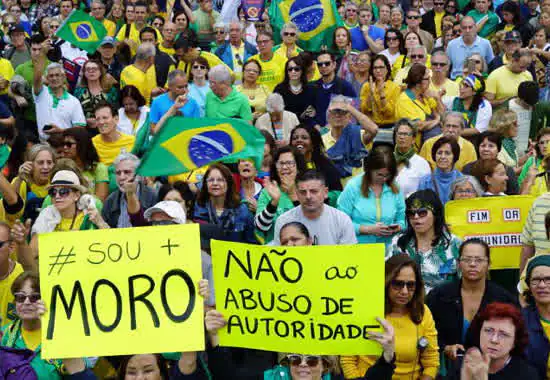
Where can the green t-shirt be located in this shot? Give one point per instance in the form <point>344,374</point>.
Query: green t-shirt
<point>490,26</point>
<point>235,105</point>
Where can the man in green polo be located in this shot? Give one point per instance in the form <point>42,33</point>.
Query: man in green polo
<point>224,101</point>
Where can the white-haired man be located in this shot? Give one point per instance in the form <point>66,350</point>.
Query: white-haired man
<point>224,101</point>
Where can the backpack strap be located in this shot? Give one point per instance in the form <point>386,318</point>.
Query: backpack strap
<point>14,329</point>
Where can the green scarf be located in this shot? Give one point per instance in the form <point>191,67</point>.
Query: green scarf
<point>56,100</point>
<point>403,157</point>
<point>509,146</point>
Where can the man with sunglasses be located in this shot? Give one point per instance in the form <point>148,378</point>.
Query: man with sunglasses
<point>440,75</point>
<point>431,20</point>
<point>417,54</point>
<point>464,46</point>
<point>413,25</point>
<point>486,20</point>
<point>235,51</point>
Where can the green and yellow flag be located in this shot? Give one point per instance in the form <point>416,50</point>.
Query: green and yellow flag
<point>82,30</point>
<point>315,19</point>
<point>184,144</point>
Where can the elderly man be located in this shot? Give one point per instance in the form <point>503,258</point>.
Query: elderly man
<point>175,101</point>
<point>164,63</point>
<point>109,142</point>
<point>236,51</point>
<point>115,209</point>
<point>345,142</point>
<point>440,72</point>
<point>98,12</point>
<point>453,125</point>
<point>169,31</point>
<point>464,46</point>
<point>413,20</point>
<point>56,109</point>
<point>512,43</point>
<point>142,73</point>
<point>326,225</point>
<point>225,101</point>
<point>416,54</point>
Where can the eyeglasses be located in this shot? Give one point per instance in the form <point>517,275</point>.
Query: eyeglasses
<point>68,144</point>
<point>263,42</point>
<point>392,38</point>
<point>199,67</point>
<point>296,360</point>
<point>288,164</point>
<point>338,112</point>
<point>324,64</point>
<point>476,61</point>
<point>215,180</point>
<point>417,56</point>
<point>465,191</point>
<point>220,31</point>
<point>501,335</point>
<point>404,134</point>
<point>535,281</point>
<point>473,260</point>
<point>414,17</point>
<point>439,64</point>
<point>289,34</point>
<point>92,69</point>
<point>22,297</point>
<point>421,212</point>
<point>296,69</point>
<point>62,192</point>
<point>399,284</point>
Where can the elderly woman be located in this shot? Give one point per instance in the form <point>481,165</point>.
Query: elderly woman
<point>474,64</point>
<point>277,121</point>
<point>491,174</point>
<point>256,93</point>
<point>220,34</point>
<point>418,103</point>
<point>445,154</point>
<point>289,35</point>
<point>410,166</point>
<point>396,19</point>
<point>465,187</point>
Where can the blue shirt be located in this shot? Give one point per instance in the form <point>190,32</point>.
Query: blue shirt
<point>358,41</point>
<point>458,52</point>
<point>161,104</point>
<point>199,95</point>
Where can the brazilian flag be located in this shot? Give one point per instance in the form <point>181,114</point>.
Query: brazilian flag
<point>184,144</point>
<point>82,30</point>
<point>315,19</point>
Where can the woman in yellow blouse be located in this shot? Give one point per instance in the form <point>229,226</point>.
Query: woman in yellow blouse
<point>419,104</point>
<point>416,351</point>
<point>256,93</point>
<point>379,94</point>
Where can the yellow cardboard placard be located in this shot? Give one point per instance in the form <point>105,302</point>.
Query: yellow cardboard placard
<point>121,291</point>
<point>497,220</point>
<point>312,300</point>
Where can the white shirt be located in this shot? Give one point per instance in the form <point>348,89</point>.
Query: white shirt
<point>391,57</point>
<point>409,177</point>
<point>524,124</point>
<point>484,112</point>
<point>67,114</point>
<point>125,125</point>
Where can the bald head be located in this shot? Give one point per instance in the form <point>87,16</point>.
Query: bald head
<point>169,31</point>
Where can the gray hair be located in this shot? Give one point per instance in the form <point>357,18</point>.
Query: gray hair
<point>221,25</point>
<point>339,99</point>
<point>454,114</point>
<point>125,156</point>
<point>484,67</point>
<point>442,53</point>
<point>397,9</point>
<point>53,66</point>
<point>236,22</point>
<point>100,2</point>
<point>463,180</point>
<point>145,51</point>
<point>275,103</point>
<point>290,25</point>
<point>220,74</point>
<point>172,75</point>
<point>420,47</point>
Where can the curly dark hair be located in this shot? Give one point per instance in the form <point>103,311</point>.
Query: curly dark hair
<point>85,149</point>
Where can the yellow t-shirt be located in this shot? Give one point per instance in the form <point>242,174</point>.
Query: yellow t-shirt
<point>257,97</point>
<point>67,224</point>
<point>108,151</point>
<point>238,63</point>
<point>451,87</point>
<point>134,36</point>
<point>169,51</point>
<point>32,339</point>
<point>467,152</point>
<point>7,310</point>
<point>273,71</point>
<point>546,327</point>
<point>398,64</point>
<point>144,81</point>
<point>504,83</point>
<point>6,72</point>
<point>110,26</point>
<point>437,19</point>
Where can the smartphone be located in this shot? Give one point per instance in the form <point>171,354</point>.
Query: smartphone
<point>47,127</point>
<point>393,226</point>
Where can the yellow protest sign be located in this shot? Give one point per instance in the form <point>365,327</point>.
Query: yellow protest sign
<point>496,220</point>
<point>121,291</point>
<point>312,300</point>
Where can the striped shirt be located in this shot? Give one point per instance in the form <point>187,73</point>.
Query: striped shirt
<point>534,232</point>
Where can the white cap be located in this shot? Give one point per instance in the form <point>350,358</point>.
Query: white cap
<point>171,208</point>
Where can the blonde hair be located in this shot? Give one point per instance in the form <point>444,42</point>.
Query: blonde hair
<point>502,121</point>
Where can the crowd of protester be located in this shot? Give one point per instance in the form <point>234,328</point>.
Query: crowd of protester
<point>410,104</point>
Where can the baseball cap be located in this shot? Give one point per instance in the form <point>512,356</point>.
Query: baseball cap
<point>107,41</point>
<point>15,29</point>
<point>171,208</point>
<point>512,36</point>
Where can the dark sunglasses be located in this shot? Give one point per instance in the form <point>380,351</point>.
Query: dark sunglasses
<point>63,192</point>
<point>392,38</point>
<point>398,285</point>
<point>417,56</point>
<point>476,61</point>
<point>296,360</point>
<point>22,297</point>
<point>338,111</point>
<point>199,67</point>
<point>414,17</point>
<point>439,64</point>
<point>296,69</point>
<point>324,64</point>
<point>421,212</point>
<point>289,34</point>
<point>220,31</point>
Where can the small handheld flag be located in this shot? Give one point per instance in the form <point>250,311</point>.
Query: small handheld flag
<point>184,144</point>
<point>82,30</point>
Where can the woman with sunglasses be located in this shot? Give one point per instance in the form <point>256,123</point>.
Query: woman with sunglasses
<point>256,93</point>
<point>471,103</point>
<point>427,240</point>
<point>455,304</point>
<point>78,147</point>
<point>379,95</point>
<point>416,351</point>
<point>394,45</point>
<point>373,201</point>
<point>198,82</point>
<point>298,95</point>
<point>411,40</point>
<point>289,35</point>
